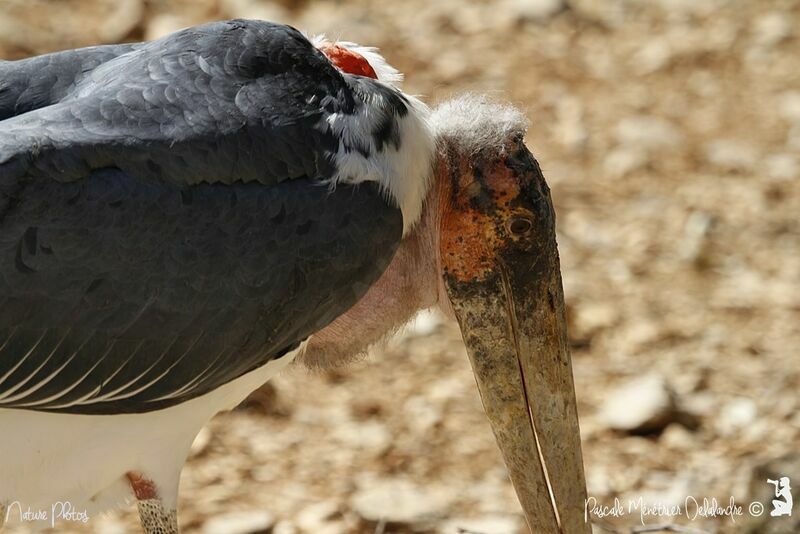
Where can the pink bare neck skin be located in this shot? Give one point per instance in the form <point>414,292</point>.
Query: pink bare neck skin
<point>410,283</point>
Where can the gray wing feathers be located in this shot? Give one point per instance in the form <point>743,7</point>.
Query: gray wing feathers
<point>40,81</point>
<point>114,285</point>
<point>229,101</point>
<point>163,225</point>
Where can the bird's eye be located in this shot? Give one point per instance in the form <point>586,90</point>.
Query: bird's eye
<point>520,225</point>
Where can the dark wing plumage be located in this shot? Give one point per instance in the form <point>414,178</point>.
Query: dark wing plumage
<point>227,101</point>
<point>40,81</point>
<point>164,228</point>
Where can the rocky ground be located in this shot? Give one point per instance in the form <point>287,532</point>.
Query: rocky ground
<point>669,131</point>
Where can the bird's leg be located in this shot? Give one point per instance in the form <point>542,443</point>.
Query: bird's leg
<point>155,518</point>
<point>2,515</point>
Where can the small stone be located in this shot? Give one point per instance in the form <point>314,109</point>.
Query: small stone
<point>500,524</point>
<point>645,404</point>
<point>648,133</point>
<point>285,527</point>
<point>165,24</point>
<point>535,10</point>
<point>782,167</point>
<point>700,404</point>
<point>594,316</point>
<point>109,524</point>
<point>731,155</point>
<point>127,15</point>
<point>736,415</point>
<point>423,414</point>
<point>694,245</point>
<point>654,55</point>
<point>318,517</point>
<point>641,333</point>
<point>368,435</point>
<point>793,137</point>
<point>790,106</point>
<point>201,441</point>
<point>611,13</point>
<point>570,129</point>
<point>622,161</point>
<point>772,28</point>
<point>398,502</point>
<point>677,436</point>
<point>249,522</point>
<point>256,9</point>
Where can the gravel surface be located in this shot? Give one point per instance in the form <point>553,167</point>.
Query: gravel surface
<point>669,131</point>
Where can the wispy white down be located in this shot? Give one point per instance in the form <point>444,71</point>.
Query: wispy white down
<point>386,73</point>
<point>403,173</point>
<point>471,123</point>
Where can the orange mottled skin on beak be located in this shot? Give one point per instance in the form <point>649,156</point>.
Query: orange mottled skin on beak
<point>477,203</point>
<point>347,60</point>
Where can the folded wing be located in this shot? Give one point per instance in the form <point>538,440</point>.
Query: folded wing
<point>167,221</point>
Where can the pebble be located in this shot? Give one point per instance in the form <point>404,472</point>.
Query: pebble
<point>126,15</point>
<point>677,437</point>
<point>789,106</point>
<point>398,502</point>
<point>256,9</point>
<point>654,55</point>
<point>570,129</point>
<point>108,524</point>
<point>611,13</point>
<point>793,137</point>
<point>644,404</point>
<point>422,414</point>
<point>730,155</point>
<point>164,24</point>
<point>696,232</point>
<point>622,161</point>
<point>248,522</point>
<point>200,443</point>
<point>771,29</point>
<point>535,10</point>
<point>648,133</point>
<point>318,517</point>
<point>285,527</point>
<point>736,415</point>
<point>371,436</point>
<point>782,167</point>
<point>591,317</point>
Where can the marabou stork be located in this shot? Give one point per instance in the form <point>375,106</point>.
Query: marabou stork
<point>180,219</point>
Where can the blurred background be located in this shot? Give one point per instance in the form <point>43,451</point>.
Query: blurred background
<point>669,131</point>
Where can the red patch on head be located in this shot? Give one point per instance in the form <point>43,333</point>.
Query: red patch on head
<point>348,61</point>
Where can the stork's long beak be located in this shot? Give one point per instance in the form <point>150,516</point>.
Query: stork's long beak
<point>514,327</point>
